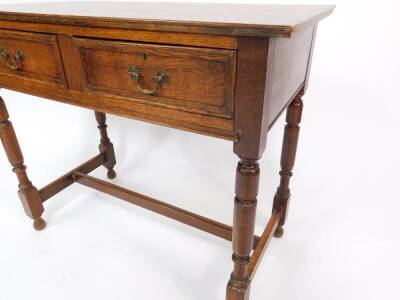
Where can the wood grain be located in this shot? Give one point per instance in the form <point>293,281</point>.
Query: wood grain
<point>213,126</point>
<point>227,19</point>
<point>105,146</point>
<point>288,67</point>
<point>28,194</point>
<point>266,237</point>
<point>165,209</point>
<point>159,37</point>
<point>71,62</point>
<point>67,179</point>
<point>249,117</point>
<point>200,80</point>
<point>246,188</point>
<point>288,156</point>
<point>233,69</point>
<point>42,56</point>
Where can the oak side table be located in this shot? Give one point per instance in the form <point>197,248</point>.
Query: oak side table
<point>223,70</point>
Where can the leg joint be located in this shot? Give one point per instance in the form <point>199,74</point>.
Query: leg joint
<point>241,260</point>
<point>5,123</point>
<point>245,202</point>
<point>239,284</point>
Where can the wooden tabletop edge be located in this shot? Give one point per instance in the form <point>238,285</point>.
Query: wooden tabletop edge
<point>218,28</point>
<point>316,19</point>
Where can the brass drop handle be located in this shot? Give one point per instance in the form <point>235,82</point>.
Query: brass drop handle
<point>160,78</point>
<point>18,59</point>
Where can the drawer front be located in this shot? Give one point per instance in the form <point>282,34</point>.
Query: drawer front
<point>197,80</point>
<point>31,55</point>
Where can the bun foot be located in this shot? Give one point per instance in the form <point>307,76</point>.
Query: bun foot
<point>111,174</point>
<point>279,232</point>
<point>39,224</point>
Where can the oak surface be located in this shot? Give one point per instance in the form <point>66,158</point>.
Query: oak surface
<point>199,79</point>
<point>222,70</point>
<point>41,56</point>
<point>232,19</point>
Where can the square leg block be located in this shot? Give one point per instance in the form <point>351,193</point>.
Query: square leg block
<point>31,202</point>
<point>233,293</point>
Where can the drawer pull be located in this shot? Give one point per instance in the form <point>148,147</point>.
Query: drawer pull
<point>18,59</point>
<point>159,79</point>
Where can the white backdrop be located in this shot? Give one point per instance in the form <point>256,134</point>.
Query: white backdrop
<point>341,238</point>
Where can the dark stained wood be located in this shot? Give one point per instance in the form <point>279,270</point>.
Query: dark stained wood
<point>288,65</point>
<point>269,74</point>
<point>272,97</point>
<point>167,210</point>
<point>199,80</point>
<point>106,146</point>
<point>67,179</point>
<point>289,147</point>
<point>247,179</point>
<point>227,19</point>
<point>121,106</point>
<point>249,99</point>
<point>72,64</point>
<point>310,58</point>
<point>266,237</point>
<point>28,194</point>
<point>232,69</point>
<point>42,58</point>
<point>173,38</point>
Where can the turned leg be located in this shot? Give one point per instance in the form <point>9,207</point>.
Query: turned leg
<point>247,178</point>
<point>289,147</point>
<point>28,194</point>
<point>105,145</point>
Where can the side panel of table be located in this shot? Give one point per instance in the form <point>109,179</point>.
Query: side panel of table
<point>270,74</point>
<point>288,70</point>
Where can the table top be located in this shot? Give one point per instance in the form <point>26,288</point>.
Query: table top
<point>230,19</point>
